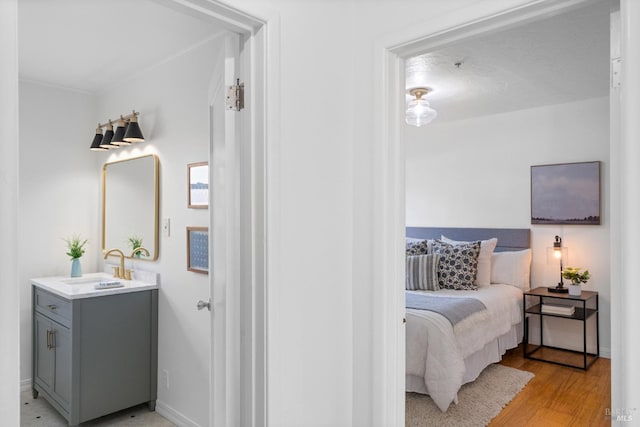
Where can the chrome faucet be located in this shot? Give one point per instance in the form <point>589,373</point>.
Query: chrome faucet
<point>120,273</point>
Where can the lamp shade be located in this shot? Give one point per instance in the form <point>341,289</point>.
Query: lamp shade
<point>106,139</point>
<point>133,132</point>
<point>97,140</point>
<point>119,134</point>
<point>419,112</point>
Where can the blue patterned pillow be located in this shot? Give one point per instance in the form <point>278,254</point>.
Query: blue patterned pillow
<point>459,265</point>
<point>418,246</point>
<point>422,272</point>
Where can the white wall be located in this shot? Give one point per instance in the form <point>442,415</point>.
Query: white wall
<point>59,191</point>
<point>173,99</point>
<point>476,173</point>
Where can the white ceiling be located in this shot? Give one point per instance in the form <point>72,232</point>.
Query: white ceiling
<point>88,46</point>
<point>561,59</point>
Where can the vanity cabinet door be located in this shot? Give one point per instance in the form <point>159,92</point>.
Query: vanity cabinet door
<point>43,358</point>
<point>52,362</point>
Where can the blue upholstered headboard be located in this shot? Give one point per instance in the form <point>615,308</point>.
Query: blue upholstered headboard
<point>509,239</point>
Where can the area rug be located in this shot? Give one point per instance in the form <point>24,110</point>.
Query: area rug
<point>478,402</point>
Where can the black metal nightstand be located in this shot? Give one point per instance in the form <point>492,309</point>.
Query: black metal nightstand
<point>587,306</point>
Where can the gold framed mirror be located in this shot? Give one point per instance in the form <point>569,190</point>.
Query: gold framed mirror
<point>130,204</point>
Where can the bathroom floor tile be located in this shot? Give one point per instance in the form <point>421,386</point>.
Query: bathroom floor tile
<point>39,413</point>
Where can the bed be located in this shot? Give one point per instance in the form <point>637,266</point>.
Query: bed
<point>475,339</point>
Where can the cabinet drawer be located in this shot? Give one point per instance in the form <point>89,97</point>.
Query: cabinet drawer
<point>49,304</point>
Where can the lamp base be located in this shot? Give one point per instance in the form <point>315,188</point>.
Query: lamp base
<point>558,290</point>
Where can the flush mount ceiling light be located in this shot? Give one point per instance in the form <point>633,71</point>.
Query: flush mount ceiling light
<point>127,131</point>
<point>419,112</point>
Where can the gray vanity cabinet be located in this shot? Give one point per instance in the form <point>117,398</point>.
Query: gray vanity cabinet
<point>97,355</point>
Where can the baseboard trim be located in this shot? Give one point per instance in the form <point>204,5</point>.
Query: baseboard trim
<point>25,385</point>
<point>174,416</point>
<point>605,352</point>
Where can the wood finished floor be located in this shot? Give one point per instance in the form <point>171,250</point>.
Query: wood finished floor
<point>558,395</point>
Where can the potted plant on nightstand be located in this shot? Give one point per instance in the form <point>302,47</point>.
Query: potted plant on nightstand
<point>75,246</point>
<point>577,278</point>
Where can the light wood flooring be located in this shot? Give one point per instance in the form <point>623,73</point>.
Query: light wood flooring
<point>558,395</point>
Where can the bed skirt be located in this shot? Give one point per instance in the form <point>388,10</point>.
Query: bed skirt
<point>476,362</point>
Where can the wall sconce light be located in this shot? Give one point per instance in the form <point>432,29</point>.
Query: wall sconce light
<point>133,132</point>
<point>419,112</point>
<point>127,131</point>
<point>119,133</point>
<point>106,139</point>
<point>97,140</point>
<point>554,254</point>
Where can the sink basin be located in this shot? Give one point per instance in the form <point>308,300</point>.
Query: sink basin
<point>85,280</point>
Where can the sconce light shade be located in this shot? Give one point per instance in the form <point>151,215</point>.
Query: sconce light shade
<point>419,112</point>
<point>108,136</point>
<point>119,134</point>
<point>133,132</point>
<point>97,140</point>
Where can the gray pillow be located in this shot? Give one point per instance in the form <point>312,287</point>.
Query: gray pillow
<point>422,272</point>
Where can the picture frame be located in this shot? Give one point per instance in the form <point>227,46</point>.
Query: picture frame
<point>566,193</point>
<point>198,249</point>
<point>198,185</point>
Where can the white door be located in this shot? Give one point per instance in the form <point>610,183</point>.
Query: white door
<point>224,242</point>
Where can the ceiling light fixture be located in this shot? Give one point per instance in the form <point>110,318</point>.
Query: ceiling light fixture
<point>419,112</point>
<point>127,131</point>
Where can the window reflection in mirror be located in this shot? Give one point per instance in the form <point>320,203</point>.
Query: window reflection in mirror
<point>130,193</point>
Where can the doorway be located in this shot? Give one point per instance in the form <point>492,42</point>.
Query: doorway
<point>393,191</point>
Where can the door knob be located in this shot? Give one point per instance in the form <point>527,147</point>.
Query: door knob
<point>202,304</point>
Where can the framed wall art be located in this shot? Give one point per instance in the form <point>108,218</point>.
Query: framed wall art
<point>198,249</point>
<point>198,185</point>
<point>567,193</point>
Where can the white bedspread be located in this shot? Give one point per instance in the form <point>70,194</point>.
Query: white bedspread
<point>436,350</point>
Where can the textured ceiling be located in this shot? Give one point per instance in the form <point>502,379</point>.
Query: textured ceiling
<point>561,59</point>
<point>89,45</point>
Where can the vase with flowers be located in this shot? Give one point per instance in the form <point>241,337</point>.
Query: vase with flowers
<point>577,278</point>
<point>75,249</point>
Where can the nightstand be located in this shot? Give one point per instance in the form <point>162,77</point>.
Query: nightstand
<point>586,306</point>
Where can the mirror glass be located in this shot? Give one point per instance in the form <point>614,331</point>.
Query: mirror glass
<point>130,204</point>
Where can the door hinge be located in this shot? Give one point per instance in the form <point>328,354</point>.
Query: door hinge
<point>235,96</point>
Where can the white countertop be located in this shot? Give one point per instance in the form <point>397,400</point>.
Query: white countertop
<point>84,286</point>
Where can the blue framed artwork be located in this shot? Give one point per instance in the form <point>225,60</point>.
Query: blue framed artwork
<point>198,249</point>
<point>567,193</point>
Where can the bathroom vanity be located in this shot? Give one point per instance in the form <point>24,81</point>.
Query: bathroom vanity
<point>94,350</point>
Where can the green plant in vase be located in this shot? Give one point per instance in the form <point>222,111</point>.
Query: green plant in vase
<point>577,278</point>
<point>75,250</point>
<point>135,242</point>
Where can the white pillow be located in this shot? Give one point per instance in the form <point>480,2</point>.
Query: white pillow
<point>512,268</point>
<point>483,277</point>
